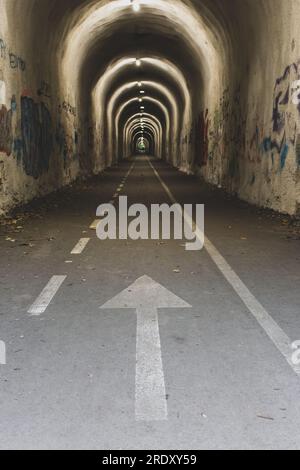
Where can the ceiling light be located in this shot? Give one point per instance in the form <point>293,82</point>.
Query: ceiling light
<point>135,5</point>
<point>138,62</point>
<point>142,92</point>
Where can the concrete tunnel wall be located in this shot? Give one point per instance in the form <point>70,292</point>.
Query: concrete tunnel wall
<point>226,80</point>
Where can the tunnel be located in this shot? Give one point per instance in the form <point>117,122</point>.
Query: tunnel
<point>108,109</point>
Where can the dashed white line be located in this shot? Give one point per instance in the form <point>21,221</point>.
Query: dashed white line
<point>44,299</point>
<point>2,353</point>
<point>94,224</point>
<point>271,328</point>
<point>78,249</point>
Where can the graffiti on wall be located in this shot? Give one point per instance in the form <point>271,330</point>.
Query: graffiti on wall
<point>228,128</point>
<point>37,139</point>
<point>6,115</point>
<point>226,131</point>
<point>44,89</point>
<point>201,138</point>
<point>15,61</point>
<point>285,116</point>
<point>67,141</point>
<point>2,49</point>
<point>6,138</point>
<point>237,138</point>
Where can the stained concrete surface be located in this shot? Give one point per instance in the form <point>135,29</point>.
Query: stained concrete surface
<point>69,381</point>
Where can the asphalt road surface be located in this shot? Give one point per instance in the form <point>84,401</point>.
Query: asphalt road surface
<point>203,360</point>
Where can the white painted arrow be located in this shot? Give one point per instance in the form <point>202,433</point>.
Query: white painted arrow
<point>146,296</point>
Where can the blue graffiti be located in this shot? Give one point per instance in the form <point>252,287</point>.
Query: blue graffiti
<point>283,155</point>
<point>13,103</point>
<point>282,149</point>
<point>18,149</point>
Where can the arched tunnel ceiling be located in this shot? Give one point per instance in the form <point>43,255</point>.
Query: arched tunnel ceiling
<point>129,108</point>
<point>206,54</point>
<point>91,35</point>
<point>227,24</point>
<point>149,122</point>
<point>226,20</point>
<point>149,73</point>
<point>153,92</point>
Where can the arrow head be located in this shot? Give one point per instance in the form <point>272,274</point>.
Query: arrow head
<point>145,292</point>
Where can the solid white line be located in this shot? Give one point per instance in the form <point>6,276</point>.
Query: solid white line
<point>150,391</point>
<point>271,328</point>
<point>44,299</point>
<point>78,249</point>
